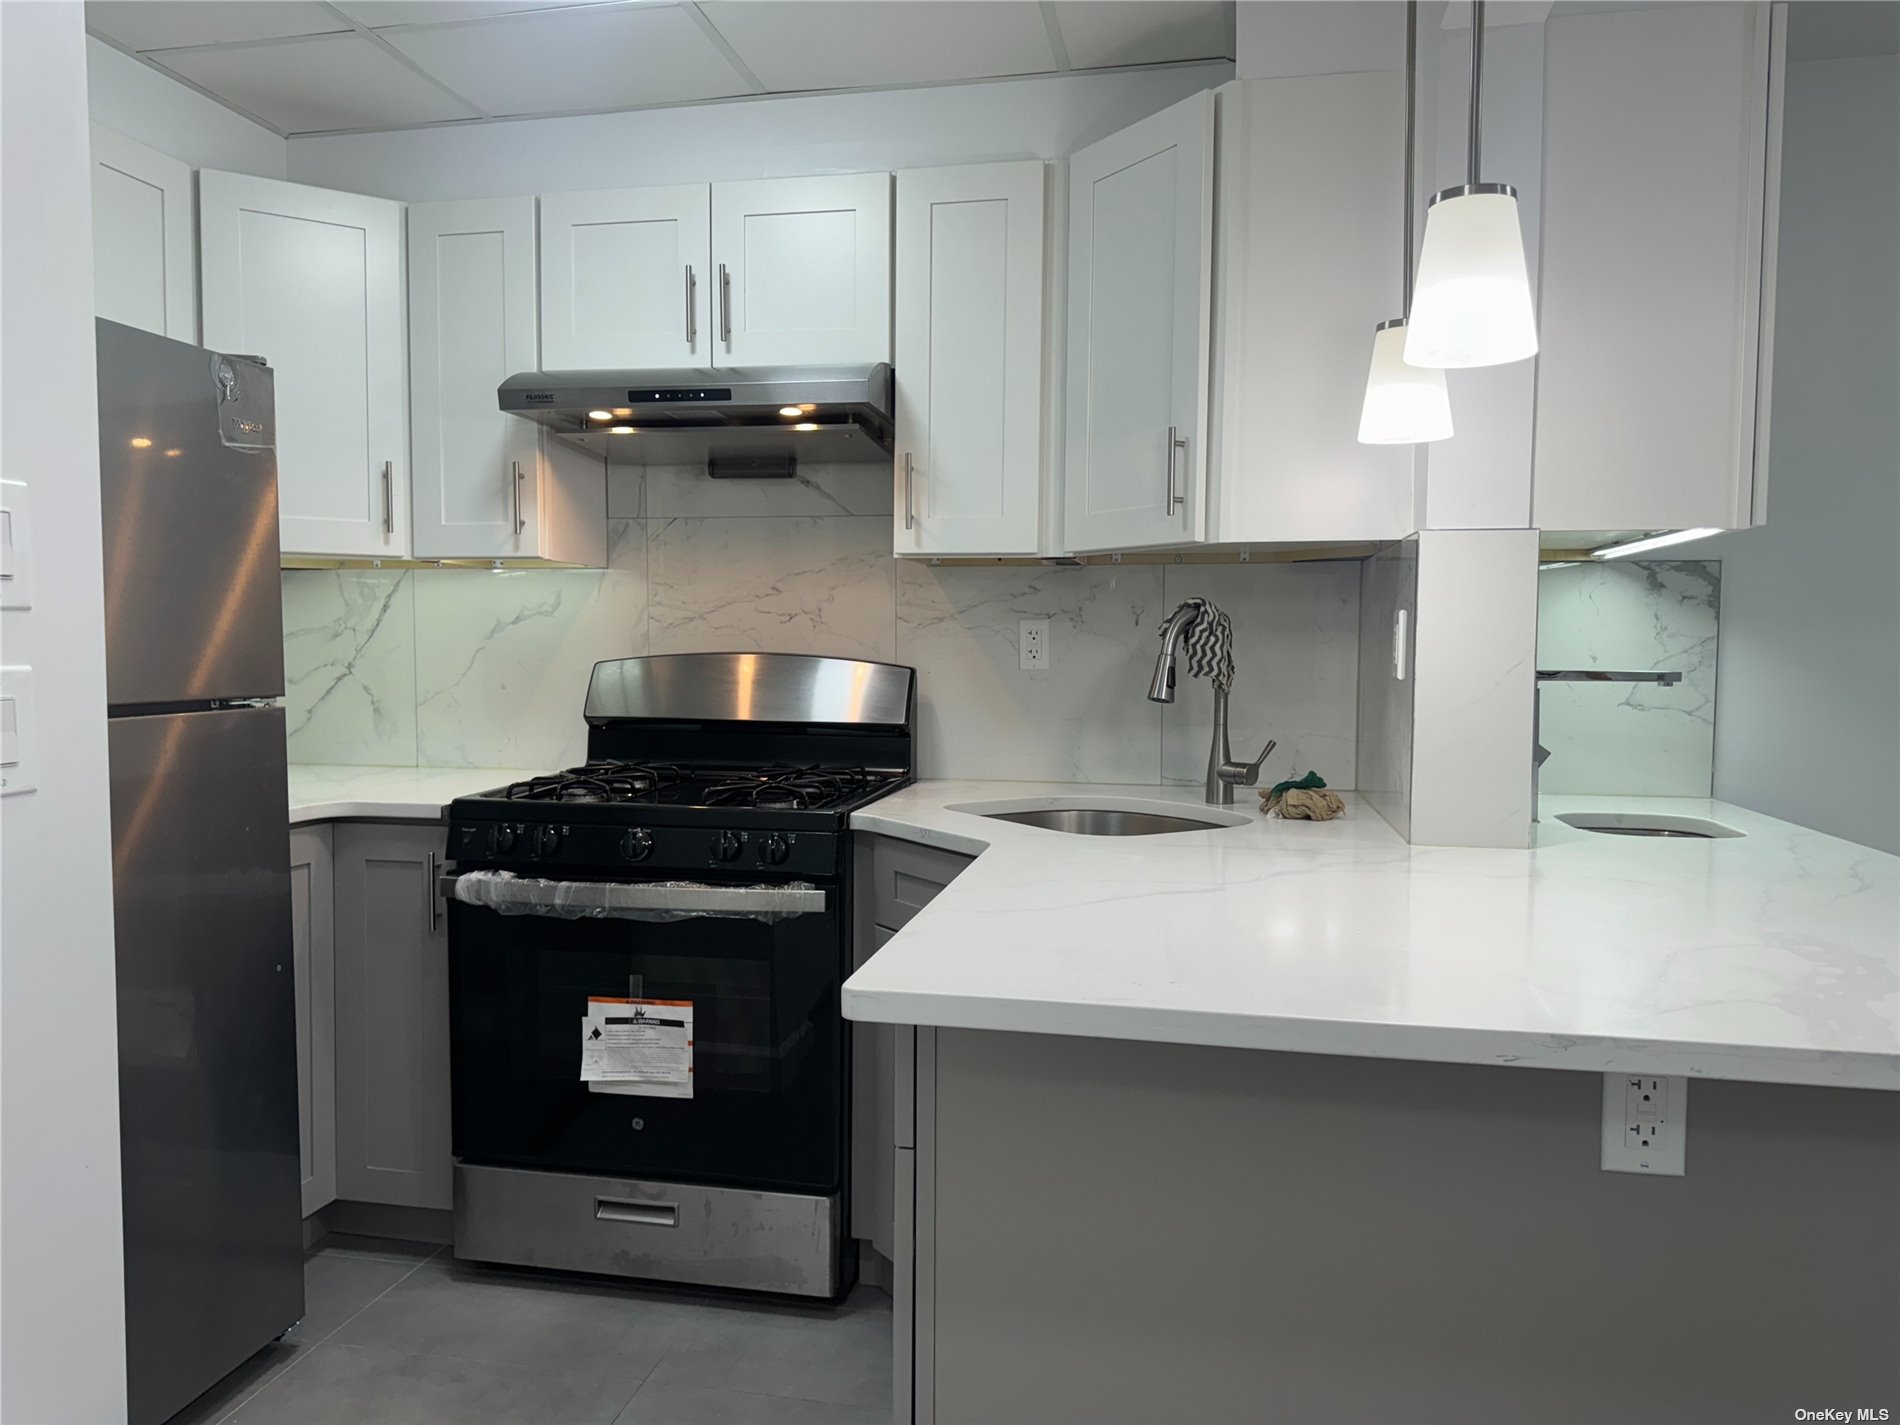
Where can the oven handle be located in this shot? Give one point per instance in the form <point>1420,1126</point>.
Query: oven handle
<point>651,900</point>
<point>645,1214</point>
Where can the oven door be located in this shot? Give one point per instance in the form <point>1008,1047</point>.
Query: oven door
<point>768,1079</point>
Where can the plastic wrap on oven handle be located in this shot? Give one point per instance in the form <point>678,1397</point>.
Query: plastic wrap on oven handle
<point>510,894</point>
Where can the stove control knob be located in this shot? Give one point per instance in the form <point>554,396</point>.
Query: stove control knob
<point>726,846</point>
<point>637,844</point>
<point>502,837</point>
<point>547,838</point>
<point>773,850</point>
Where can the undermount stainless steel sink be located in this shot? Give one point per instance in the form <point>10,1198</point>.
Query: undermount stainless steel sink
<point>1103,821</point>
<point>1616,823</point>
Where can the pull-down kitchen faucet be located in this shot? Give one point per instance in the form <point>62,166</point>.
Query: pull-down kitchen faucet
<point>1223,773</point>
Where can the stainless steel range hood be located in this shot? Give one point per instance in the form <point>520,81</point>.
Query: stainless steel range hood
<point>734,422</point>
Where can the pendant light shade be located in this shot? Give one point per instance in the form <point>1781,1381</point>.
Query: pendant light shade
<point>1404,404</point>
<point>1473,301</point>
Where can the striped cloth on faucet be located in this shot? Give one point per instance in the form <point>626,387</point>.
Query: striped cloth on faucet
<point>1210,644</point>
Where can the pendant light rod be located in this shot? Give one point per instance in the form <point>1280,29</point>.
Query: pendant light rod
<point>1477,87</point>
<point>1411,121</point>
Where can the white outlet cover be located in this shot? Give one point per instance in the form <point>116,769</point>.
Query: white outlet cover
<point>1645,1124</point>
<point>1032,644</point>
<point>15,590</point>
<point>22,773</point>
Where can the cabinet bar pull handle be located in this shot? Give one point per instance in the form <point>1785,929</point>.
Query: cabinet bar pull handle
<point>910,515</point>
<point>1175,442</point>
<point>692,306</point>
<point>647,1214</point>
<point>389,497</point>
<point>521,520</point>
<point>725,305</point>
<point>431,890</point>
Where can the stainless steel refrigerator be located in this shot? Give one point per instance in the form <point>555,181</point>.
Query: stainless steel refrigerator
<point>200,863</point>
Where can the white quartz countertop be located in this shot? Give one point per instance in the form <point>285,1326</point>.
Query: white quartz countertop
<point>337,793</point>
<point>1774,956</point>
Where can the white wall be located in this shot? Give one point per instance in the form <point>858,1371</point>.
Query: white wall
<point>143,104</point>
<point>1810,677</point>
<point>62,1338</point>
<point>753,138</point>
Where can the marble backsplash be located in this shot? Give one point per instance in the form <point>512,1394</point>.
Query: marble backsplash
<point>467,667</point>
<point>1635,738</point>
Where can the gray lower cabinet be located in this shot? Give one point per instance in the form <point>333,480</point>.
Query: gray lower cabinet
<point>313,957</point>
<point>392,1017</point>
<point>895,879</point>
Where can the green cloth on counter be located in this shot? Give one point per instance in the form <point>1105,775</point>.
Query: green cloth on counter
<point>1310,782</point>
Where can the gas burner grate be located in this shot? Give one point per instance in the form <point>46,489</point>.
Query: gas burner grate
<point>791,788</point>
<point>601,782</point>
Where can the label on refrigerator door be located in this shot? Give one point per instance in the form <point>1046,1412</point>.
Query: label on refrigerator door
<point>638,1046</point>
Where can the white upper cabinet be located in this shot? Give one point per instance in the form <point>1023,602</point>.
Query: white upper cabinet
<point>1661,138</point>
<point>970,359</point>
<point>1306,264</point>
<point>626,279</point>
<point>1141,221</point>
<point>144,237</point>
<point>487,485</point>
<point>802,269</point>
<point>311,281</point>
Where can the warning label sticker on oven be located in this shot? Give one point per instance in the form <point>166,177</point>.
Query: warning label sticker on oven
<point>638,1046</point>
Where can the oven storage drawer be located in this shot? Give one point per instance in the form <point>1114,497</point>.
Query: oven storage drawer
<point>706,1236</point>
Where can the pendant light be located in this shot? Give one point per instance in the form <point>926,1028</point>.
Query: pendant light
<point>1474,293</point>
<point>1404,404</point>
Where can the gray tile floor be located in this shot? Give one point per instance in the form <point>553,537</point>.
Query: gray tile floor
<point>395,1334</point>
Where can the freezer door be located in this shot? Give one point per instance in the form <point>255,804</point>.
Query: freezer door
<point>188,477</point>
<point>207,1047</point>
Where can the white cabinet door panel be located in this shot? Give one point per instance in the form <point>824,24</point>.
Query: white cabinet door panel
<point>144,237</point>
<point>803,270</point>
<point>624,279</point>
<point>471,326</point>
<point>969,336</point>
<point>311,280</point>
<point>1141,235</point>
<point>1656,156</point>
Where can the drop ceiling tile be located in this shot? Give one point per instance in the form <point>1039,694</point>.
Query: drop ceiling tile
<point>574,60</point>
<point>842,44</point>
<point>342,82</point>
<point>378,13</point>
<point>163,24</point>
<point>1098,33</point>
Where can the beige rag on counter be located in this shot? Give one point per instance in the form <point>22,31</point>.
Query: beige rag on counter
<point>1304,804</point>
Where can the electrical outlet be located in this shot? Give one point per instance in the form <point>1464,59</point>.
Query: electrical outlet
<point>1032,643</point>
<point>1645,1123</point>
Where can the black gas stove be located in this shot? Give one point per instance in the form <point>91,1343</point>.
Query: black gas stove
<point>669,815</point>
<point>692,877</point>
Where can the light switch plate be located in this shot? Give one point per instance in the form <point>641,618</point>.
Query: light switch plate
<point>21,773</point>
<point>15,527</point>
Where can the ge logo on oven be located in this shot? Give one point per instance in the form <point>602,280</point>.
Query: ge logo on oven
<point>639,1124</point>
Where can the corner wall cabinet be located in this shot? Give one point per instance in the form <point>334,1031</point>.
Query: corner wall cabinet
<point>1661,183</point>
<point>971,332</point>
<point>487,485</point>
<point>144,237</point>
<point>311,280</point>
<point>1141,226</point>
<point>770,272</point>
<point>392,1017</point>
<point>1306,264</point>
